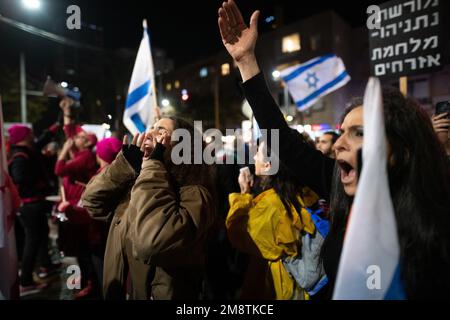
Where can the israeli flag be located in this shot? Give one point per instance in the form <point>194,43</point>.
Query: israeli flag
<point>141,99</point>
<point>369,268</point>
<point>316,78</point>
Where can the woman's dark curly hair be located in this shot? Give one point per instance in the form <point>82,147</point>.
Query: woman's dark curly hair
<point>420,190</point>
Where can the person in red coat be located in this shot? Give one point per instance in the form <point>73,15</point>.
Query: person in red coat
<point>76,165</point>
<point>97,232</point>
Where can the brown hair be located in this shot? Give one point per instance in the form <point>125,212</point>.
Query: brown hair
<point>190,174</point>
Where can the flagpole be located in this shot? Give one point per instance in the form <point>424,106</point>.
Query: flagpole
<point>155,100</point>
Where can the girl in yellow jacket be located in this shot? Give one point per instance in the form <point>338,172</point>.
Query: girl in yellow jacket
<point>268,228</point>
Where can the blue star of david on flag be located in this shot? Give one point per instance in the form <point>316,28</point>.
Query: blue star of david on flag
<point>312,80</point>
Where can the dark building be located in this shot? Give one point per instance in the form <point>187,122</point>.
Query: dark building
<point>282,47</point>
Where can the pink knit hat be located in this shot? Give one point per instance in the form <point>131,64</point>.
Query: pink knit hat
<point>18,133</point>
<point>107,149</point>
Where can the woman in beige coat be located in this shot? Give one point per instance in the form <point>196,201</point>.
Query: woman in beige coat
<point>160,218</point>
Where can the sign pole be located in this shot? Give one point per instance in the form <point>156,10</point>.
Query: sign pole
<point>404,86</point>
<point>23,88</point>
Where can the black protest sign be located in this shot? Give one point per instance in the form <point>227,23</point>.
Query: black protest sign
<point>408,39</point>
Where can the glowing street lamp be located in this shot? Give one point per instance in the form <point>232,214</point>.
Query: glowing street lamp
<point>276,75</point>
<point>32,4</point>
<point>165,102</point>
<point>184,95</point>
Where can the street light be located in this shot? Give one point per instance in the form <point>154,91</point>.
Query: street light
<point>276,75</point>
<point>165,102</point>
<point>184,95</point>
<point>32,4</point>
<point>29,5</point>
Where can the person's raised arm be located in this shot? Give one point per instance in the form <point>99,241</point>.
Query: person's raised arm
<point>164,219</point>
<point>238,39</point>
<point>65,167</point>
<point>240,42</point>
<point>109,187</point>
<point>310,166</point>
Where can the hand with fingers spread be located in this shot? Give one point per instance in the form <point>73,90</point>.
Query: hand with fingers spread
<point>163,138</point>
<point>239,40</point>
<point>133,152</point>
<point>161,142</point>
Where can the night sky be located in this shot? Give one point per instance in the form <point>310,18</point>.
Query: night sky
<point>187,30</point>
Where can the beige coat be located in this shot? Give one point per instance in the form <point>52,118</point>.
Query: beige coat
<point>158,235</point>
<point>168,230</point>
<point>106,198</point>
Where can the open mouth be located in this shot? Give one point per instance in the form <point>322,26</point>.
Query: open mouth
<point>348,173</point>
<point>148,147</point>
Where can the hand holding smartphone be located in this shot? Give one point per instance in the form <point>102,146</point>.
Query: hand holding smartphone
<point>441,119</point>
<point>245,180</point>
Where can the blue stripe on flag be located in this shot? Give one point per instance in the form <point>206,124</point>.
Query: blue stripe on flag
<point>320,91</point>
<point>294,74</point>
<point>138,122</point>
<point>396,290</point>
<point>137,94</point>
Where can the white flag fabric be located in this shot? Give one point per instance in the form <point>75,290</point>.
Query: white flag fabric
<point>141,99</point>
<point>8,255</point>
<point>369,264</point>
<point>310,81</point>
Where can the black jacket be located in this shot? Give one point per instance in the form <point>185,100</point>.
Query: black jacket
<point>27,168</point>
<point>308,165</point>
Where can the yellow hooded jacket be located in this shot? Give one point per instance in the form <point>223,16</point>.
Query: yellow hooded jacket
<point>262,227</point>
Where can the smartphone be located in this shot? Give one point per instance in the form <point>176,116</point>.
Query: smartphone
<point>246,172</point>
<point>443,107</point>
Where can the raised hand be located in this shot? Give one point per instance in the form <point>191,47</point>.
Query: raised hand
<point>238,39</point>
<point>132,152</point>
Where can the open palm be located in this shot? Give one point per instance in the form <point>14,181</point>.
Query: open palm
<point>239,40</point>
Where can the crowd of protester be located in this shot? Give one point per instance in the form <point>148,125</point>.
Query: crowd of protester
<point>144,227</point>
